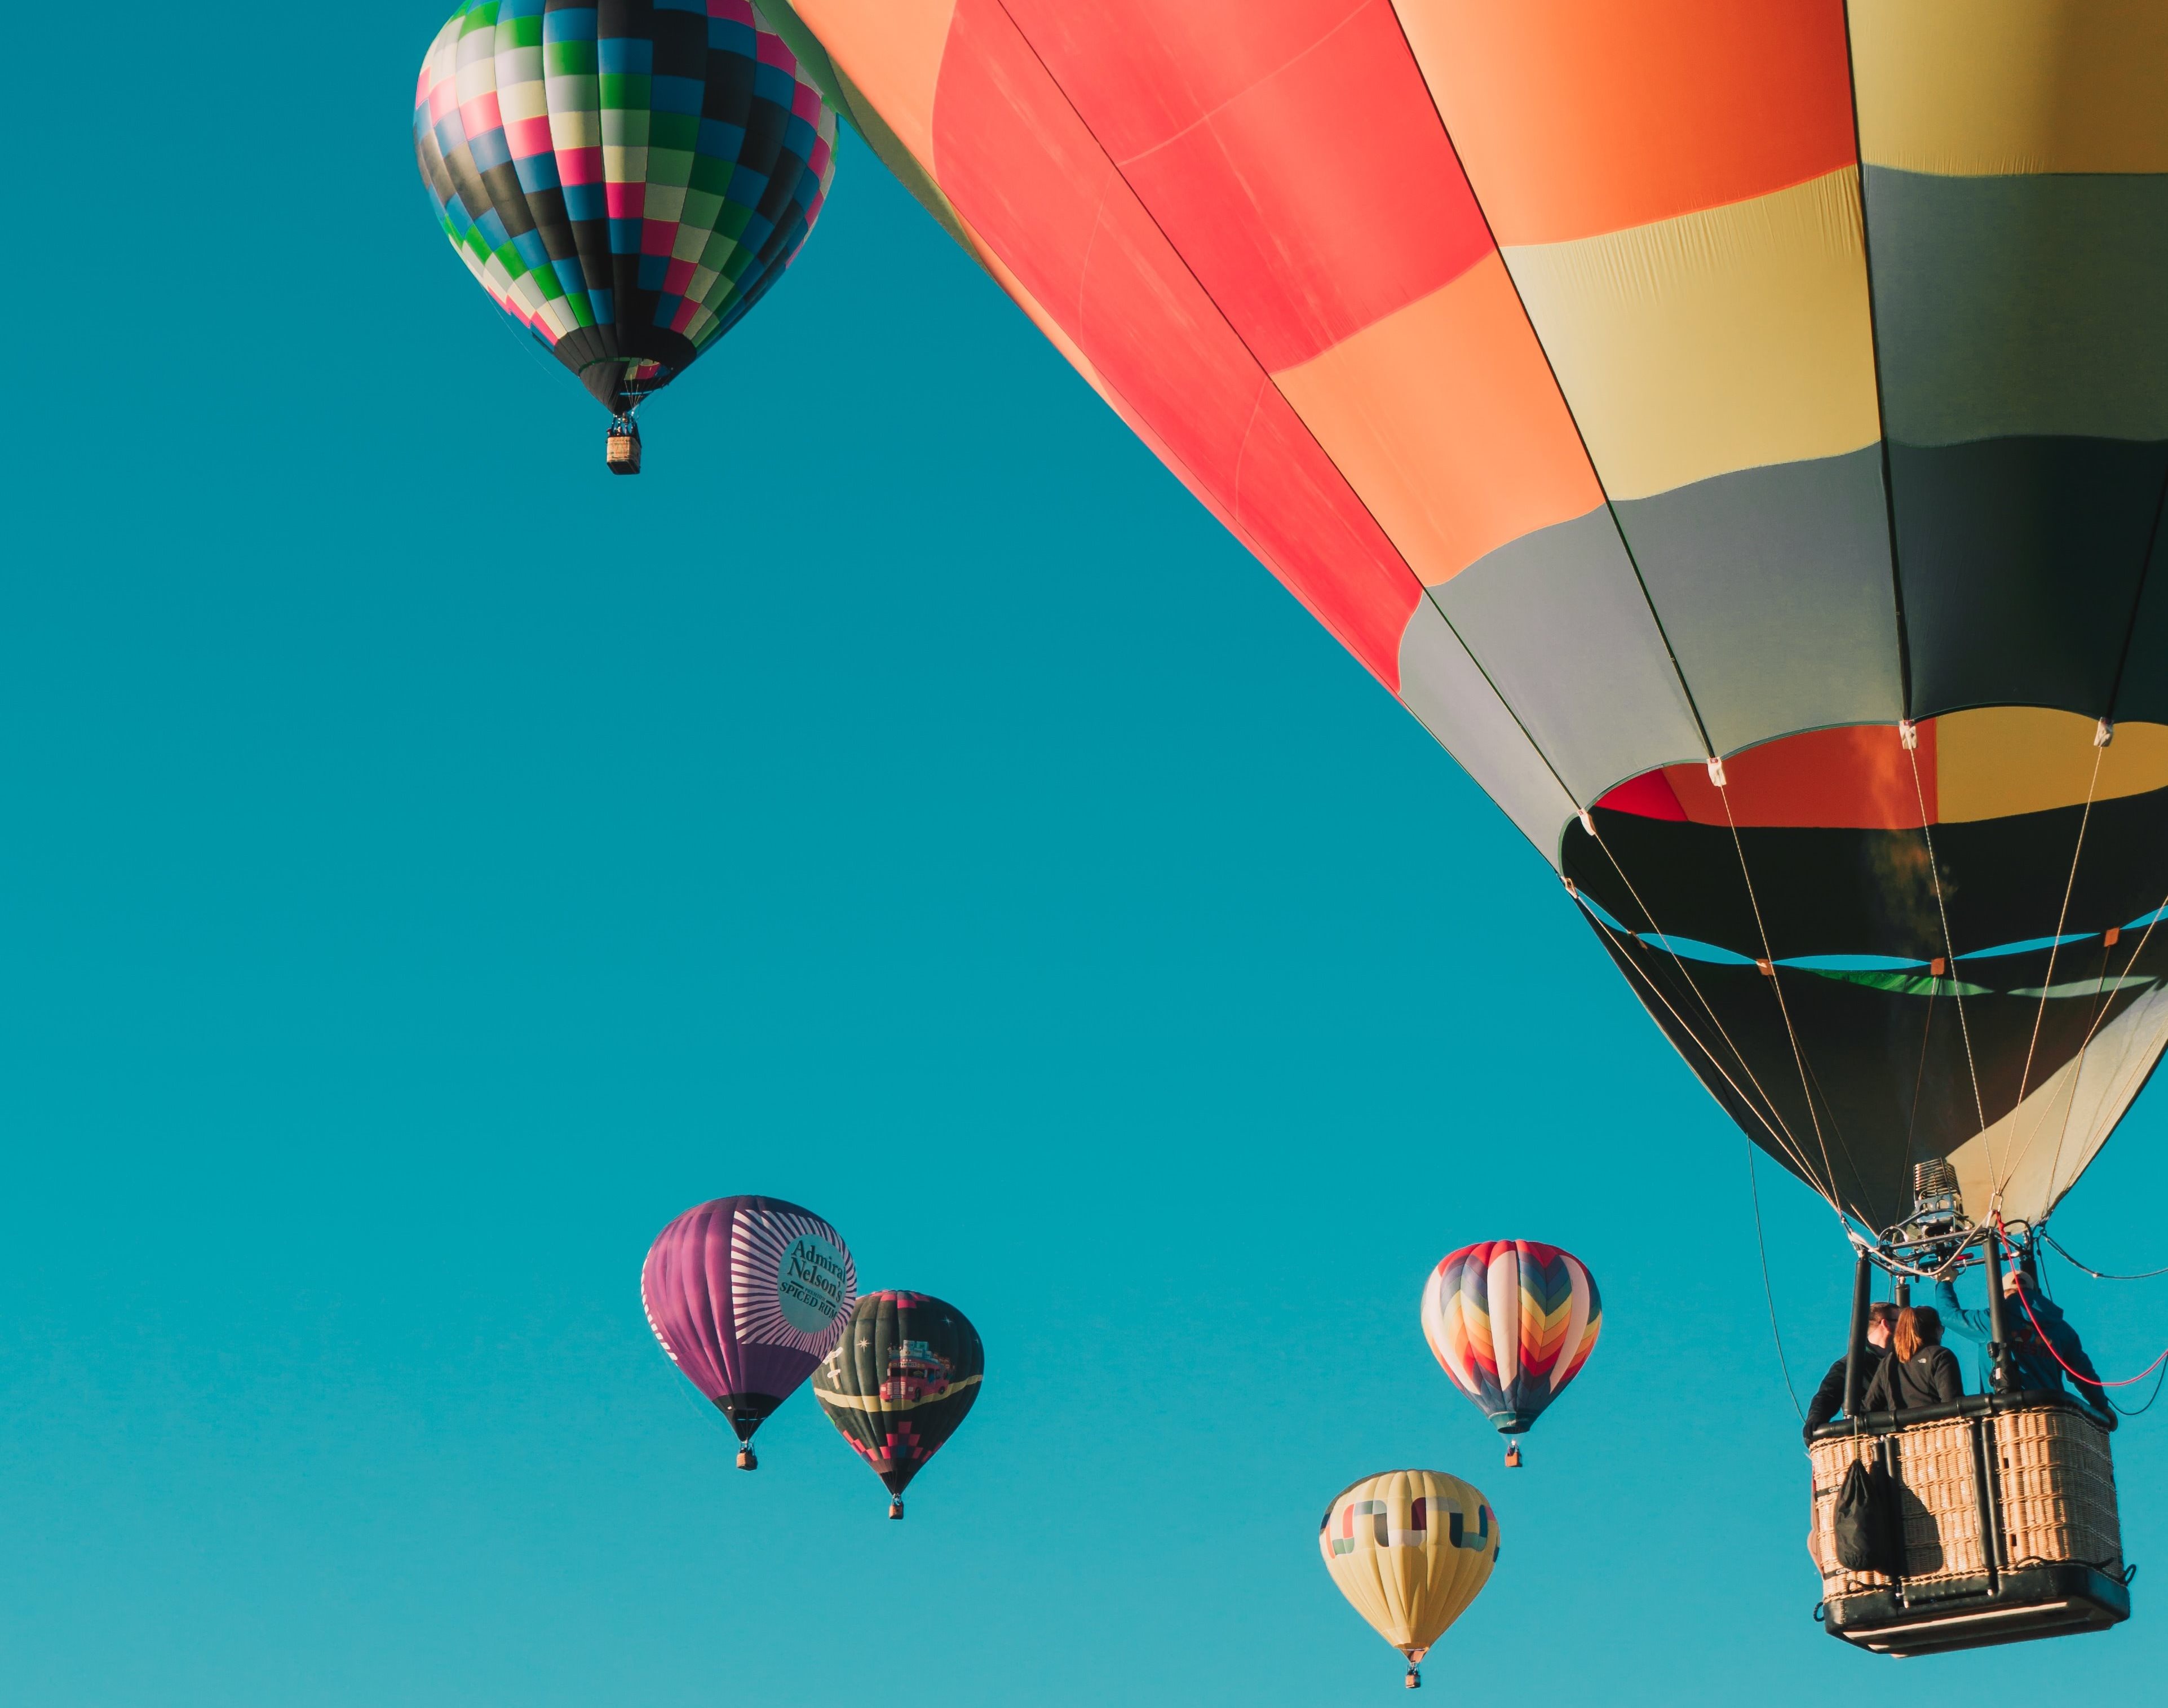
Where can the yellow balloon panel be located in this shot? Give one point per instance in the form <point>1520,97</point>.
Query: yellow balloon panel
<point>1410,1549</point>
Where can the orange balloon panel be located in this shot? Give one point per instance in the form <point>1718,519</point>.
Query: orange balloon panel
<point>1635,385</point>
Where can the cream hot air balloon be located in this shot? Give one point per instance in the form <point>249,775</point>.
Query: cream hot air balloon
<point>1410,1549</point>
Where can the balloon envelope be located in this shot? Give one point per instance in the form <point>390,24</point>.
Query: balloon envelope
<point>1410,1550</point>
<point>904,1375</point>
<point>1631,383</point>
<point>747,1296</point>
<point>624,180</point>
<point>1511,1322</point>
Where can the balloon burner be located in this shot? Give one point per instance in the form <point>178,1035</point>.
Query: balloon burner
<point>1938,1227</point>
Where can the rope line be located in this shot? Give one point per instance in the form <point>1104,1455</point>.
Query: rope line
<point>2047,983</point>
<point>2097,1274</point>
<point>1919,1083</point>
<point>1783,1139</point>
<point>2101,999</point>
<point>2116,1099</point>
<point>1762,1245</point>
<point>2087,1382</point>
<point>1949,948</point>
<point>1789,1145</point>
<point>2100,1014</point>
<point>1769,961</point>
<point>2140,1411</point>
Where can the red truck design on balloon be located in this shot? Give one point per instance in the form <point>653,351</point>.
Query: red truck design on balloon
<point>914,1372</point>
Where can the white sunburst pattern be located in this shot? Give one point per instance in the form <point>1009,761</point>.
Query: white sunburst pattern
<point>760,1241</point>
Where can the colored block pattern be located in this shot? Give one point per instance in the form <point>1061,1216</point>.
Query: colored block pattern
<point>625,179</point>
<point>1410,1550</point>
<point>1631,385</point>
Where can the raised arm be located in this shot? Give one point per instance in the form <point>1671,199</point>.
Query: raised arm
<point>1971,1324</point>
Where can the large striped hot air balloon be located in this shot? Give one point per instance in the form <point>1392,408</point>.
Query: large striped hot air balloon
<point>1511,1322</point>
<point>747,1296</point>
<point>625,179</point>
<point>1410,1550</point>
<point>1737,431</point>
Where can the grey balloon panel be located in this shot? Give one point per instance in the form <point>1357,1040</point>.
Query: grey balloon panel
<point>1441,684</point>
<point>1774,586</point>
<point>1559,624</point>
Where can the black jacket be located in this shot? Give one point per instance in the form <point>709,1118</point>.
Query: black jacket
<point>1829,1397</point>
<point>1928,1377</point>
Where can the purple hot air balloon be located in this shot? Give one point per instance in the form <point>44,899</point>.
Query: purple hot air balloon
<point>746,1295</point>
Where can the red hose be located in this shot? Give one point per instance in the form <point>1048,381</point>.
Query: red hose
<point>2089,1381</point>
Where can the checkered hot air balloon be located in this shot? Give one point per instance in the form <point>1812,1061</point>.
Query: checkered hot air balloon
<point>625,179</point>
<point>1512,1323</point>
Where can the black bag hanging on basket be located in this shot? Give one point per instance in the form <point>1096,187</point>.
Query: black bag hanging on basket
<point>1866,1514</point>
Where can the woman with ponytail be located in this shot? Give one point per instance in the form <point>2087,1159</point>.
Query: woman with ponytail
<point>1920,1369</point>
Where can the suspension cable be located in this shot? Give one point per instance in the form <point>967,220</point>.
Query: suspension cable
<point>2140,1411</point>
<point>2047,983</point>
<point>1769,966</point>
<point>2101,997</point>
<point>1687,1026</point>
<point>2097,1274</point>
<point>2088,1382</point>
<point>1919,1081</point>
<point>2099,1014</point>
<point>1762,1245</point>
<point>1790,1145</point>
<point>1911,743</point>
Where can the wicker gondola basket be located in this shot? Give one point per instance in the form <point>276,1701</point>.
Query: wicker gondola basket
<point>1831,1459</point>
<point>2057,1489</point>
<point>1938,1488</point>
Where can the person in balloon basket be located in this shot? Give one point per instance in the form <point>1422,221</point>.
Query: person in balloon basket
<point>2044,1347</point>
<point>1920,1371</point>
<point>1829,1397</point>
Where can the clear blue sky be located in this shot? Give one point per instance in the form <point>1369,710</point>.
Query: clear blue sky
<point>427,864</point>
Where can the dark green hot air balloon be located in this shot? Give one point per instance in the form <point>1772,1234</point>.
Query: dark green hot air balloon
<point>903,1377</point>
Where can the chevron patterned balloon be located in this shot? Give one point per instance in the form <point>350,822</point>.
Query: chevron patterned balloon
<point>1512,1323</point>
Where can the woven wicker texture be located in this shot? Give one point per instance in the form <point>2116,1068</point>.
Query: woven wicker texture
<point>1939,1491</point>
<point>2057,1489</point>
<point>1831,1461</point>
